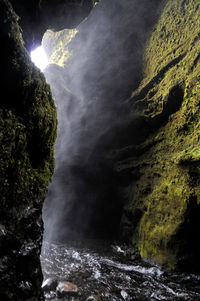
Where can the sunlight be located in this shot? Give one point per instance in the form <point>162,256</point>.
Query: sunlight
<point>39,58</point>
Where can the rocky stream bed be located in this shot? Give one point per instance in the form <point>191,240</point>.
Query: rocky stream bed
<point>110,272</point>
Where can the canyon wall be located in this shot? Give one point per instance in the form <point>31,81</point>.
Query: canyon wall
<point>27,135</point>
<point>28,125</point>
<point>162,214</point>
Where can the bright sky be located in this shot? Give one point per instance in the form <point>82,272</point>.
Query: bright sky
<point>39,58</point>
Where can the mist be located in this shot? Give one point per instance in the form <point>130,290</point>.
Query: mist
<point>91,92</point>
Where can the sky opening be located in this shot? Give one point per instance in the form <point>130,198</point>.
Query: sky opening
<point>39,58</point>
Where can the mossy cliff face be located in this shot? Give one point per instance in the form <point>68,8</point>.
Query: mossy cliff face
<point>162,216</point>
<point>27,135</point>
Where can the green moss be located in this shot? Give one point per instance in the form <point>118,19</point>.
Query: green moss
<point>170,167</point>
<point>27,121</point>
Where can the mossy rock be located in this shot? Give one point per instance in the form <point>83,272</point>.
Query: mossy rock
<point>168,98</point>
<point>27,119</point>
<point>27,135</point>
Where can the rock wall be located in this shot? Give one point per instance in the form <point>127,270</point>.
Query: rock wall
<point>27,135</point>
<point>163,172</point>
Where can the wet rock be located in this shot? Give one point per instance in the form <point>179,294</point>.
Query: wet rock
<point>127,253</point>
<point>49,284</point>
<point>50,295</point>
<point>124,295</point>
<point>25,171</point>
<point>94,298</point>
<point>66,288</point>
<point>2,228</point>
<point>134,254</point>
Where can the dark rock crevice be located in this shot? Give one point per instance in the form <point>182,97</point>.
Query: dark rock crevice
<point>188,255</point>
<point>170,106</point>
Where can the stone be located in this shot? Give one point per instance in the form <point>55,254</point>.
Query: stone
<point>66,288</point>
<point>124,294</point>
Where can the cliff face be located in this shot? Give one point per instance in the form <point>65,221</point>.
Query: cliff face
<point>162,215</point>
<point>27,135</point>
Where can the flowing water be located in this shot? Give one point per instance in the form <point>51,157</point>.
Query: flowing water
<point>111,272</point>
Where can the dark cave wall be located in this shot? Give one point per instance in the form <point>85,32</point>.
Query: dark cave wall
<point>27,135</point>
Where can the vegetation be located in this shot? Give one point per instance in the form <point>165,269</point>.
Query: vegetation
<point>27,120</point>
<point>167,193</point>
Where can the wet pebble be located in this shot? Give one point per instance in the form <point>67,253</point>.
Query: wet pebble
<point>66,288</point>
<point>124,294</point>
<point>50,295</point>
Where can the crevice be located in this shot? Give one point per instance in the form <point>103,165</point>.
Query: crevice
<point>185,242</point>
<point>171,106</point>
